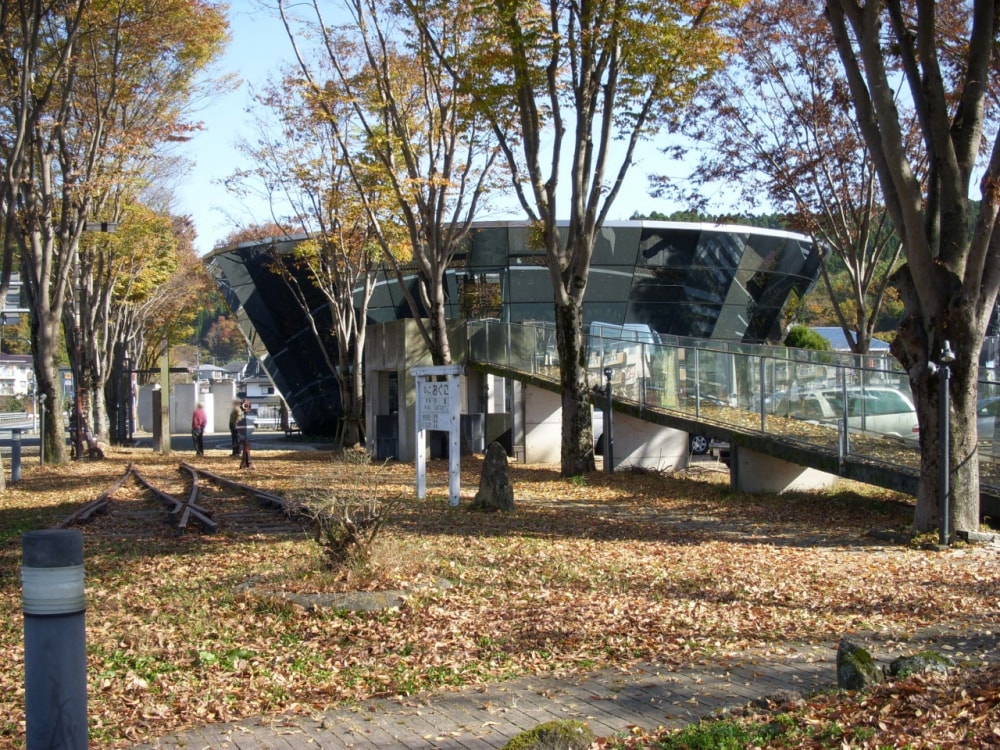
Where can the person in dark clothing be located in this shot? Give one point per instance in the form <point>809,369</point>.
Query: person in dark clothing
<point>234,425</point>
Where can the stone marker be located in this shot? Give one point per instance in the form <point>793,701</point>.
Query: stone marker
<point>495,490</point>
<point>856,670</point>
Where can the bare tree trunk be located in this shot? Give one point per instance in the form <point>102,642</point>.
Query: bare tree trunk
<point>441,348</point>
<point>578,433</point>
<point>964,463</point>
<point>351,398</point>
<point>53,432</point>
<point>918,346</point>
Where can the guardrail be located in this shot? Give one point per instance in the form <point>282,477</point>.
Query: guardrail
<point>810,397</point>
<point>16,419</point>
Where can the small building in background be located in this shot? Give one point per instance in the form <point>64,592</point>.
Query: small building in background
<point>17,375</point>
<point>838,340</point>
<point>236,370</point>
<point>211,373</point>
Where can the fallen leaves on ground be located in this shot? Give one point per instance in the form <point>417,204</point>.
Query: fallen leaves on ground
<point>604,570</point>
<point>958,710</point>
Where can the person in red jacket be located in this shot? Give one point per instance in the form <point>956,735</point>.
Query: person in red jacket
<point>198,422</point>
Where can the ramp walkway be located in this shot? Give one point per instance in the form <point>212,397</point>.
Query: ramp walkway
<point>834,412</point>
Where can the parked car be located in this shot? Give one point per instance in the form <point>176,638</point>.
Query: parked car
<point>699,443</point>
<point>881,409</point>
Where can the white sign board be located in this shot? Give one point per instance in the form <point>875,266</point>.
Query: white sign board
<point>439,408</point>
<point>435,406</point>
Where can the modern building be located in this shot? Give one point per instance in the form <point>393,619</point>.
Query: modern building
<point>702,280</point>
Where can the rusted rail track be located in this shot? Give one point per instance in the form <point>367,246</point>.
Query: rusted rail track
<point>198,506</point>
<point>262,496</point>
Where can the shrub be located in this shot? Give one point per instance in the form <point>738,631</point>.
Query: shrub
<point>801,337</point>
<point>348,520</point>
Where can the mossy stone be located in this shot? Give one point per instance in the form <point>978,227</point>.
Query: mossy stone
<point>856,670</point>
<point>563,734</point>
<point>925,661</point>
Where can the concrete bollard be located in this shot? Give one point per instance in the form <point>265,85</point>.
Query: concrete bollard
<point>55,658</point>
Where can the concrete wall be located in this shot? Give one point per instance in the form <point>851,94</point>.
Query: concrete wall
<point>542,411</point>
<point>183,397</point>
<point>637,443</point>
<point>144,409</point>
<point>646,445</point>
<point>394,349</point>
<point>223,393</point>
<point>756,472</point>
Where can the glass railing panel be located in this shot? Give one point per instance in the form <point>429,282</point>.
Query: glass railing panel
<point>988,419</point>
<point>821,398</point>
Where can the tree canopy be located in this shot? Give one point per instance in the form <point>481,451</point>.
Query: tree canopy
<point>575,87</point>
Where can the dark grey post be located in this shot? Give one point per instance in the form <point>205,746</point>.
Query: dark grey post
<point>158,436</point>
<point>946,357</point>
<point>55,658</point>
<point>41,430</point>
<point>609,435</point>
<point>15,455</point>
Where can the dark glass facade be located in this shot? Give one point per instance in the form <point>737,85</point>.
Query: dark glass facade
<point>721,282</point>
<point>279,333</point>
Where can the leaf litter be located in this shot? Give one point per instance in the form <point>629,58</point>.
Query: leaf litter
<point>612,569</point>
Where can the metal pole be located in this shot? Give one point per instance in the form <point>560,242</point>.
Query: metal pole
<point>129,424</point>
<point>165,398</point>
<point>945,436</point>
<point>697,383</point>
<point>15,455</point>
<point>763,394</point>
<point>77,401</point>
<point>845,416</point>
<point>41,430</point>
<point>55,653</point>
<point>609,430</point>
<point>245,462</point>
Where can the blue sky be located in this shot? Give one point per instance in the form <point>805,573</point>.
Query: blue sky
<point>257,50</point>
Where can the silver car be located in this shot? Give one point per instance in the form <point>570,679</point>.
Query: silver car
<point>883,409</point>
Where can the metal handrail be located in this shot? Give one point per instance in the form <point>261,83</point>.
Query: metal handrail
<point>746,387</point>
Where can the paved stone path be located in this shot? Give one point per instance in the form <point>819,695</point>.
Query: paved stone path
<point>610,701</point>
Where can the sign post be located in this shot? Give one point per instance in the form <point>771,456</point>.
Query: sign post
<point>439,408</point>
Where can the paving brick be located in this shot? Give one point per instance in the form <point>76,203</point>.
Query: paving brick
<point>646,695</point>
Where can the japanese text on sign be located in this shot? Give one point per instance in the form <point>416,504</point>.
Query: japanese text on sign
<point>435,407</point>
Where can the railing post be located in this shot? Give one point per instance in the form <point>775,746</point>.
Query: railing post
<point>763,394</point>
<point>845,416</point>
<point>642,375</point>
<point>944,419</point>
<point>41,429</point>
<point>697,384</point>
<point>609,428</point>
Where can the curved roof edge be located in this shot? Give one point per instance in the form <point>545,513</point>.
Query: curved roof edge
<point>498,223</point>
